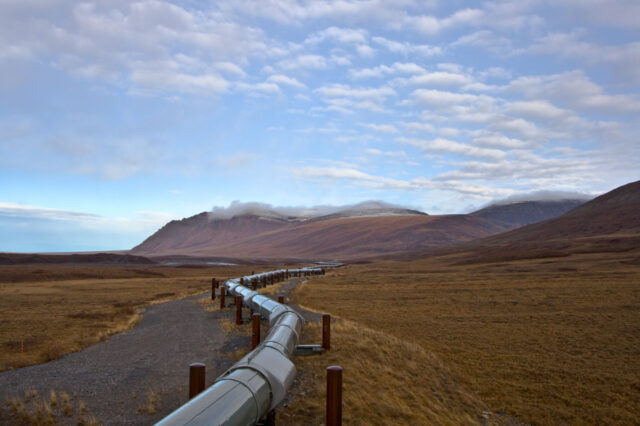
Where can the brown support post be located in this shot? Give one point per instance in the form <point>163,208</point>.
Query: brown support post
<point>326,331</point>
<point>255,336</point>
<point>254,284</point>
<point>238,310</point>
<point>196,379</point>
<point>270,420</point>
<point>223,290</point>
<point>264,281</point>
<point>241,280</point>
<point>334,396</point>
<point>280,299</point>
<point>213,289</point>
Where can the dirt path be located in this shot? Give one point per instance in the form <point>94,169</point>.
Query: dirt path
<point>115,378</point>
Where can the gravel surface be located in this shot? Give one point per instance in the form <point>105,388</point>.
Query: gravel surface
<point>115,378</point>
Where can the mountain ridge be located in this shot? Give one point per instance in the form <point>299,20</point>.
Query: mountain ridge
<point>360,231</point>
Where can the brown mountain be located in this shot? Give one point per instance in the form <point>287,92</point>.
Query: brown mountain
<point>517,214</point>
<point>608,223</point>
<point>358,232</point>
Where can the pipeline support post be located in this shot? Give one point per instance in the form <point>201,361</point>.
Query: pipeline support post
<point>326,331</point>
<point>281,299</point>
<point>223,290</point>
<point>255,335</point>
<point>213,289</point>
<point>334,396</point>
<point>196,379</point>
<point>238,310</point>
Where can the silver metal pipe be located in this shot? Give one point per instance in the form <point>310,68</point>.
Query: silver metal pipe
<point>257,383</point>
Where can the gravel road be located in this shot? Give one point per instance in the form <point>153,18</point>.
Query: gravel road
<point>114,378</point>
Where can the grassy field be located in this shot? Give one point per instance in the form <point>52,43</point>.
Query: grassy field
<point>49,310</point>
<point>386,381</point>
<point>548,341</point>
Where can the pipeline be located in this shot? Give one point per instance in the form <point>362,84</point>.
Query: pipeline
<point>257,383</point>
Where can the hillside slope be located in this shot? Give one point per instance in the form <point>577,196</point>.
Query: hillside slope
<point>517,214</point>
<point>361,231</point>
<point>343,235</point>
<point>608,223</point>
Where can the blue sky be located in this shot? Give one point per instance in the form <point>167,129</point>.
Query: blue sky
<point>117,116</point>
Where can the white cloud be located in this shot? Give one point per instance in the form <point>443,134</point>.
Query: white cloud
<point>381,128</point>
<point>305,62</point>
<point>151,78</point>
<point>148,220</point>
<point>439,98</point>
<point>485,39</point>
<point>381,70</point>
<point>288,81</point>
<point>365,51</point>
<point>256,89</point>
<point>623,58</point>
<point>381,182</point>
<point>576,91</point>
<point>431,25</point>
<point>406,49</point>
<point>451,147</point>
<point>439,78</point>
<point>136,45</point>
<point>415,126</point>
<point>337,90</point>
<point>341,35</point>
<point>396,154</point>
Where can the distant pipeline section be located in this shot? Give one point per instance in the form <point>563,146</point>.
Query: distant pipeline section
<point>256,384</point>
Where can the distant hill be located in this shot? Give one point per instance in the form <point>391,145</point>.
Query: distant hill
<point>516,214</point>
<point>93,258</point>
<point>364,230</point>
<point>608,223</point>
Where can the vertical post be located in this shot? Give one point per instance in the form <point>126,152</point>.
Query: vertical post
<point>223,290</point>
<point>326,331</point>
<point>280,299</point>
<point>334,396</point>
<point>264,281</point>
<point>254,284</point>
<point>213,289</point>
<point>196,379</point>
<point>241,280</point>
<point>255,336</point>
<point>270,420</point>
<point>238,310</point>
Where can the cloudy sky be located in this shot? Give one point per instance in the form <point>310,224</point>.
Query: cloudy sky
<point>117,116</point>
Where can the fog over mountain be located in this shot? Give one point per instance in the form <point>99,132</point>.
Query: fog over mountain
<point>542,196</point>
<point>238,208</point>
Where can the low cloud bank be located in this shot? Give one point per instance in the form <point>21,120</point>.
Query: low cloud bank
<point>544,196</point>
<point>238,208</point>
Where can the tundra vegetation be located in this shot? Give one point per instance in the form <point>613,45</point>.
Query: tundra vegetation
<point>543,340</point>
<point>47,311</point>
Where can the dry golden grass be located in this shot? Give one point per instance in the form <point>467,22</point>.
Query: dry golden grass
<point>229,326</point>
<point>49,310</point>
<point>548,341</point>
<point>34,410</point>
<point>209,305</point>
<point>385,381</point>
<point>151,404</point>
